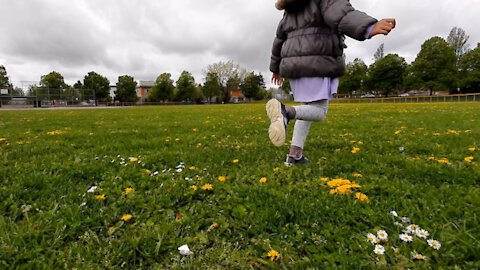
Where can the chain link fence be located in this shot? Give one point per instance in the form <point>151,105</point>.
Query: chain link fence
<point>48,97</point>
<point>413,99</point>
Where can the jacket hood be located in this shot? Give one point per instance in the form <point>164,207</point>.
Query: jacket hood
<point>281,4</point>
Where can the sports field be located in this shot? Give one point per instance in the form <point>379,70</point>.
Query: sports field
<point>125,188</point>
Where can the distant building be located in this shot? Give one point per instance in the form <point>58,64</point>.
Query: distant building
<point>143,88</point>
<point>237,97</point>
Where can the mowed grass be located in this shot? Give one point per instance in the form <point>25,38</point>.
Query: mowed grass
<point>406,157</point>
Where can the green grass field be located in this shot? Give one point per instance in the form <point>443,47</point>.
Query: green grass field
<point>152,167</point>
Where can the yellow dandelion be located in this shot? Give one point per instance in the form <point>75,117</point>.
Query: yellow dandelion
<point>361,197</point>
<point>148,171</point>
<point>398,132</point>
<point>199,145</point>
<point>133,160</point>
<point>357,175</point>
<point>263,180</point>
<point>469,149</point>
<point>194,130</point>
<point>338,182</point>
<point>333,191</point>
<point>276,169</point>
<point>194,187</point>
<point>100,197</point>
<point>127,217</point>
<point>235,161</point>
<point>360,143</point>
<point>273,254</point>
<point>221,178</point>
<point>431,158</point>
<point>238,147</point>
<point>129,190</point>
<point>177,139</point>
<point>324,179</point>
<point>345,189</point>
<point>436,134</point>
<point>192,168</point>
<point>90,134</point>
<point>442,160</point>
<point>355,150</point>
<point>2,139</point>
<point>469,159</point>
<point>207,187</point>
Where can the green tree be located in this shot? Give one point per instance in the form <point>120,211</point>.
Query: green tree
<point>434,66</point>
<point>186,89</point>
<point>354,77</point>
<point>212,87</point>
<point>126,89</point>
<point>97,86</point>
<point>5,81</point>
<point>251,86</point>
<point>386,74</point>
<point>285,87</point>
<point>78,85</point>
<point>230,75</point>
<point>470,71</point>
<point>53,86</point>
<point>163,88</point>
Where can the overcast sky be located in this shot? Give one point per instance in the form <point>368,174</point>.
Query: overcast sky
<point>144,38</point>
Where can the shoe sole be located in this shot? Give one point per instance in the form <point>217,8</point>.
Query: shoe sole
<point>276,131</point>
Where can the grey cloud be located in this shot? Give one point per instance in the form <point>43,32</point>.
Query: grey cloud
<point>144,38</point>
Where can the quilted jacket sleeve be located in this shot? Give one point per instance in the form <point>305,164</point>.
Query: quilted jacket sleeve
<point>277,49</point>
<point>341,16</point>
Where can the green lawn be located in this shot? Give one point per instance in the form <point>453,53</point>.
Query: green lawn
<point>420,160</point>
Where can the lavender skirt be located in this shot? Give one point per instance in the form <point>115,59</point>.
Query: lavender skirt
<point>309,89</point>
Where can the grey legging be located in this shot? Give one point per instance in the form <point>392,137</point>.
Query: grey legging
<point>306,114</point>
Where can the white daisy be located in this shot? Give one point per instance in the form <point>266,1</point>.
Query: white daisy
<point>434,244</point>
<point>405,220</point>
<point>406,238</point>
<point>412,228</point>
<point>371,238</point>
<point>398,224</point>
<point>417,256</point>
<point>394,213</point>
<point>422,233</point>
<point>382,235</point>
<point>379,250</point>
<point>92,189</point>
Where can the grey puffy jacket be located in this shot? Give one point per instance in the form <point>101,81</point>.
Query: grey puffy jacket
<point>309,39</point>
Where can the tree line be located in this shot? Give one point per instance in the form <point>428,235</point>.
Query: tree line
<point>220,80</point>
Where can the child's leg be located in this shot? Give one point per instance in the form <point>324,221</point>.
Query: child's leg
<point>305,115</point>
<point>313,111</point>
<point>300,133</point>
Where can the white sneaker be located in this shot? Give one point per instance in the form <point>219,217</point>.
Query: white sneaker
<point>277,132</point>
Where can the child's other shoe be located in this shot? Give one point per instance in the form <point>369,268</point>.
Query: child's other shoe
<point>292,160</point>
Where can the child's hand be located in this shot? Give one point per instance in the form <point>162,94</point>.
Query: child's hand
<point>383,27</point>
<point>277,79</point>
